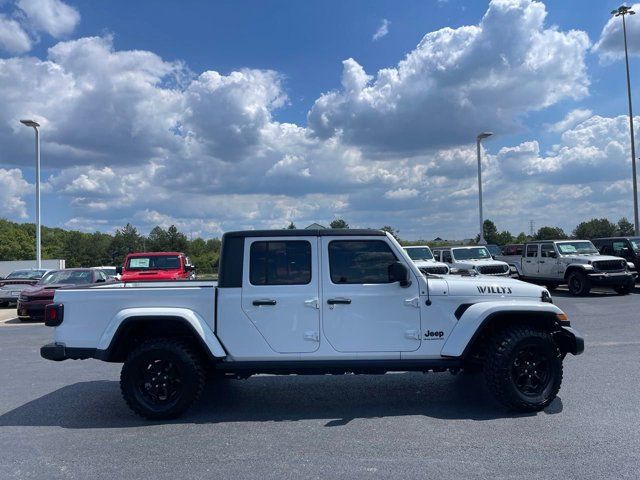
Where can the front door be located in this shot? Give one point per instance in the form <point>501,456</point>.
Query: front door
<point>280,291</point>
<point>361,310</point>
<point>548,263</point>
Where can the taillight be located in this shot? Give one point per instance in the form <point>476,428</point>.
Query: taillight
<point>53,314</point>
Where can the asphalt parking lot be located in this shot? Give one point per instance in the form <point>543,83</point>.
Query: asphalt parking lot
<point>67,420</point>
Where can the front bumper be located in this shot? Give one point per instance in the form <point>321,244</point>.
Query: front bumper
<point>570,340</point>
<point>58,352</point>
<point>611,279</point>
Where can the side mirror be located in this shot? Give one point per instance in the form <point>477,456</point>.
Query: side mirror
<point>398,272</point>
<point>189,268</point>
<point>553,255</point>
<point>118,270</point>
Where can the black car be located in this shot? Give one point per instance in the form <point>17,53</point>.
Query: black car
<point>625,247</point>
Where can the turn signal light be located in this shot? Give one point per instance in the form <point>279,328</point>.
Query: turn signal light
<point>562,317</point>
<point>53,314</point>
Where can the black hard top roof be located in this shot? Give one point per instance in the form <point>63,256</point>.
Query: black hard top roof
<point>625,237</point>
<point>321,232</point>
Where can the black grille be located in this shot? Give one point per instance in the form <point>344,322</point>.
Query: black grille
<point>609,265</point>
<point>493,269</point>
<point>435,270</point>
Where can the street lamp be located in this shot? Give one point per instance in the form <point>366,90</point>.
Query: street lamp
<point>622,12</point>
<point>35,125</point>
<point>479,138</point>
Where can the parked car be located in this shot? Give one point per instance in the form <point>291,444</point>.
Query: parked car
<point>494,249</point>
<point>156,266</point>
<point>471,260</point>
<point>624,247</point>
<point>423,259</point>
<point>379,314</point>
<point>111,272</point>
<point>511,254</point>
<point>32,300</point>
<point>16,282</point>
<point>576,263</point>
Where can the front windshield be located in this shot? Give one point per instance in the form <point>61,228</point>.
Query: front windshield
<point>419,253</point>
<point>67,277</point>
<point>31,274</point>
<point>151,262</point>
<point>579,248</point>
<point>635,243</point>
<point>471,253</point>
<point>494,249</point>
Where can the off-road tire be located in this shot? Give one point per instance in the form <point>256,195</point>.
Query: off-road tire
<point>502,373</point>
<point>185,372</point>
<point>625,288</point>
<point>579,284</point>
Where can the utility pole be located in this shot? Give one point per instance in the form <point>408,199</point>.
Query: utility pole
<point>532,226</point>
<point>479,138</point>
<point>35,125</point>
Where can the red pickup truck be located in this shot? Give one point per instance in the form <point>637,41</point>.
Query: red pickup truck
<point>147,266</point>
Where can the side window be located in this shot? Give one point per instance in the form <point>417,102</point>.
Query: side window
<point>280,263</point>
<point>547,250</point>
<point>360,261</point>
<point>618,246</point>
<point>446,256</point>
<point>532,250</point>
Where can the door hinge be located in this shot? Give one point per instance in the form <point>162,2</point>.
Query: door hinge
<point>312,335</point>
<point>412,302</point>
<point>413,334</point>
<point>313,303</point>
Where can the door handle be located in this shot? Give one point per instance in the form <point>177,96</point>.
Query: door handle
<point>541,261</point>
<point>260,303</point>
<point>341,301</point>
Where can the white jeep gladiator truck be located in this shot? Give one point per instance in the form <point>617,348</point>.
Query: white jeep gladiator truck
<point>471,259</point>
<point>422,256</point>
<point>576,263</point>
<point>314,302</point>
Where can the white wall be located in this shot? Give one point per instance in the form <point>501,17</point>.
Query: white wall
<point>9,266</point>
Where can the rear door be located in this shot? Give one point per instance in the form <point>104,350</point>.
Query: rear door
<point>280,291</point>
<point>362,311</point>
<point>530,260</point>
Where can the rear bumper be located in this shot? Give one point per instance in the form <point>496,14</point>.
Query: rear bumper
<point>31,311</point>
<point>611,279</point>
<point>58,352</point>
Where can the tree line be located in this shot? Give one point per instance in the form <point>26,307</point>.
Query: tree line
<point>80,249</point>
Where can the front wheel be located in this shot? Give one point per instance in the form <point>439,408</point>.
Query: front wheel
<point>523,368</point>
<point>625,288</point>
<point>161,378</point>
<point>579,284</point>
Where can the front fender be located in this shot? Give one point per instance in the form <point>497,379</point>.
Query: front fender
<point>194,320</point>
<point>473,319</point>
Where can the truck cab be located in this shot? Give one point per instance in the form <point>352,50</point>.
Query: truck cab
<point>148,266</point>
<point>474,259</point>
<point>314,302</point>
<point>423,258</point>
<point>576,263</point>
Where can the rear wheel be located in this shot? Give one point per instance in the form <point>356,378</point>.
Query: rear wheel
<point>161,378</point>
<point>579,283</point>
<point>523,368</point>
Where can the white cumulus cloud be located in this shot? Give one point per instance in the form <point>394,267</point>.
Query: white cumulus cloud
<point>382,30</point>
<point>52,16</point>
<point>13,38</point>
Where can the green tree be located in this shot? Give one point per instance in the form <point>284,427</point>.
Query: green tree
<point>126,240</point>
<point>625,227</point>
<point>504,238</point>
<point>292,226</point>
<point>338,223</point>
<point>177,241</point>
<point>521,238</point>
<point>595,228</point>
<point>491,234</point>
<point>392,231</point>
<point>550,233</point>
<point>158,240</point>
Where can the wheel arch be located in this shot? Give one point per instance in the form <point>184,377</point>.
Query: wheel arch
<point>574,268</point>
<point>129,330</point>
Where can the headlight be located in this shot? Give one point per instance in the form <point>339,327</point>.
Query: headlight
<point>546,297</point>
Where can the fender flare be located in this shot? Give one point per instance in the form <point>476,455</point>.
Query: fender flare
<point>187,317</point>
<point>575,266</point>
<point>478,315</point>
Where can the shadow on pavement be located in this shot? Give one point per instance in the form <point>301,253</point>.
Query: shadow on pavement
<point>98,404</point>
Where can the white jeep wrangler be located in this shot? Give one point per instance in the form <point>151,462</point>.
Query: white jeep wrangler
<point>314,301</point>
<point>474,259</point>
<point>423,259</point>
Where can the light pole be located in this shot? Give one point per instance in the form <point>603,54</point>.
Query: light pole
<point>622,12</point>
<point>35,125</point>
<point>479,138</point>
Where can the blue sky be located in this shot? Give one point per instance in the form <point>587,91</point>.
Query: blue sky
<point>260,113</point>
